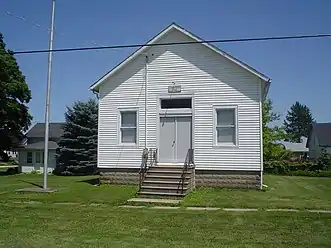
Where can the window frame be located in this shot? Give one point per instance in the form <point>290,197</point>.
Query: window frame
<point>27,160</point>
<point>119,131</point>
<point>41,156</point>
<point>236,139</point>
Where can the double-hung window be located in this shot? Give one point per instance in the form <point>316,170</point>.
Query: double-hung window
<point>128,128</point>
<point>226,129</point>
<point>29,157</point>
<point>39,157</point>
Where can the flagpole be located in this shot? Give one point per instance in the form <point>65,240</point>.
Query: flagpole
<point>49,75</point>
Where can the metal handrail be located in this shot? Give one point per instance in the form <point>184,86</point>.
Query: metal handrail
<point>147,155</point>
<point>188,163</point>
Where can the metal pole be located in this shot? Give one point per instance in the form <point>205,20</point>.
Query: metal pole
<point>146,62</point>
<point>48,92</point>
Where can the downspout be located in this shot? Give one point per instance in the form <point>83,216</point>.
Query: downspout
<point>261,136</point>
<point>261,130</point>
<point>145,77</point>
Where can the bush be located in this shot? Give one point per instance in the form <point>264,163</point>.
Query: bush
<point>291,168</point>
<point>285,167</point>
<point>324,161</point>
<point>13,161</point>
<point>75,170</point>
<point>318,173</point>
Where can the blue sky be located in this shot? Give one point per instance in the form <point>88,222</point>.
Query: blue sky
<point>300,69</point>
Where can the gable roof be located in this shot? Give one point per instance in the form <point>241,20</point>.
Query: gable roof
<point>38,130</point>
<point>323,133</point>
<point>174,26</point>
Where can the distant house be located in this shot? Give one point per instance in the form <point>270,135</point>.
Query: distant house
<point>319,137</point>
<point>31,154</point>
<point>299,149</point>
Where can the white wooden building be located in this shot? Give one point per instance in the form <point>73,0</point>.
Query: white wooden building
<point>178,97</point>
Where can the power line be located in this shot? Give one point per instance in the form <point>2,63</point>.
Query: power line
<point>37,25</point>
<point>177,43</point>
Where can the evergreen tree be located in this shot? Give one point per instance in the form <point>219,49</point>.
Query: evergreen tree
<point>298,122</point>
<point>77,152</point>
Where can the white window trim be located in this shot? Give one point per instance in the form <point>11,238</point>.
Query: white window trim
<point>226,145</point>
<point>119,125</point>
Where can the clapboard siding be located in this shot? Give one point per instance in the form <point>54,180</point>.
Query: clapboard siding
<point>210,78</point>
<point>30,167</point>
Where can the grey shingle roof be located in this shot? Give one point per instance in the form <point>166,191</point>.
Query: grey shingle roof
<point>38,130</point>
<point>323,133</point>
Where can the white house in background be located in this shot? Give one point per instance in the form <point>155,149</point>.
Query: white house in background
<point>319,138</point>
<point>31,154</point>
<point>299,149</point>
<point>179,97</point>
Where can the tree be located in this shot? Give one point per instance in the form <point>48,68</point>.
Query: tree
<point>323,161</point>
<point>14,95</point>
<point>272,151</point>
<point>77,152</point>
<point>298,122</point>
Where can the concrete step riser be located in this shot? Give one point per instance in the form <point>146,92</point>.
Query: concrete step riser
<point>159,168</point>
<point>163,179</point>
<point>172,174</point>
<point>159,194</point>
<point>164,184</point>
<point>162,190</point>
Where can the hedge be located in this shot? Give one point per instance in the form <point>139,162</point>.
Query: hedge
<point>295,169</point>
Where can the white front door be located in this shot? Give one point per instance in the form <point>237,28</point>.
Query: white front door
<point>38,160</point>
<point>175,138</point>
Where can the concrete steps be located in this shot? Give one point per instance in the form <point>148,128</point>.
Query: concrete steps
<point>164,180</point>
<point>143,193</point>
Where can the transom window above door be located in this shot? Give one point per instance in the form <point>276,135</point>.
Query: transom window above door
<point>176,103</point>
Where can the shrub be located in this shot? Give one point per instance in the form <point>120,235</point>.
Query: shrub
<point>13,161</point>
<point>291,168</point>
<point>318,173</point>
<point>285,167</point>
<point>324,161</point>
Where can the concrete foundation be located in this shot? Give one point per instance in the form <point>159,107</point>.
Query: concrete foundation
<point>206,178</point>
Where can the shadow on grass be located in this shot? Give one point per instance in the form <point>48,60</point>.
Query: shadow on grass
<point>34,184</point>
<point>4,173</point>
<point>93,181</point>
<point>8,172</point>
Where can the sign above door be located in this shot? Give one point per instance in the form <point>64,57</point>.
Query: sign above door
<point>174,89</point>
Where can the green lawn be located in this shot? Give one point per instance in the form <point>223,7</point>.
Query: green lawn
<point>107,225</point>
<point>71,189</point>
<point>67,226</point>
<point>283,192</point>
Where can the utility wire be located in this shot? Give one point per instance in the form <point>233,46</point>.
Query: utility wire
<point>37,25</point>
<point>177,43</point>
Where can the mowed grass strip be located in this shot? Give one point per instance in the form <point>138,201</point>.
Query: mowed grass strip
<point>78,226</point>
<point>283,192</point>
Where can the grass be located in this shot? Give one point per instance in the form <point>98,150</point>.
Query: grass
<point>71,189</point>
<point>84,225</point>
<point>282,192</point>
<point>67,226</point>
